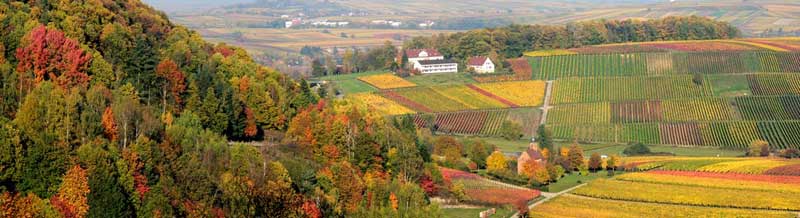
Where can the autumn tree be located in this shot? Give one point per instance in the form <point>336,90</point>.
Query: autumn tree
<point>71,199</point>
<point>614,162</point>
<point>478,154</point>
<point>50,55</point>
<point>595,162</point>
<point>496,162</point>
<point>173,85</point>
<point>109,126</point>
<point>575,157</point>
<point>758,148</point>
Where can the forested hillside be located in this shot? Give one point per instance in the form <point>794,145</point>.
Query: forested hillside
<point>110,110</point>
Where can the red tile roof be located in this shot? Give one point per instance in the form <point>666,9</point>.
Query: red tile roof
<point>414,53</point>
<point>476,61</point>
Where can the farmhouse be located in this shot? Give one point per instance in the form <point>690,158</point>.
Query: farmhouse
<point>480,64</point>
<point>532,154</point>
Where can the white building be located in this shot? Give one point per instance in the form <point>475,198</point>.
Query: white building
<point>481,64</point>
<point>436,66</point>
<point>430,61</point>
<point>415,55</point>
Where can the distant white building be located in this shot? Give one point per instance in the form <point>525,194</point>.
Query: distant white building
<point>481,64</point>
<point>330,23</point>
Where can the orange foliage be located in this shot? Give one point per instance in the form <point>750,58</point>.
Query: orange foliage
<point>71,200</point>
<point>393,199</point>
<point>176,81</point>
<point>250,130</point>
<point>109,126</point>
<point>311,210</point>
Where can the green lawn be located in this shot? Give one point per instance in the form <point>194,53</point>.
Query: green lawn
<point>349,83</point>
<point>502,144</point>
<point>729,85</point>
<point>571,180</point>
<point>348,76</point>
<point>441,79</point>
<point>606,149</point>
<point>473,212</point>
<point>678,151</point>
<point>353,86</point>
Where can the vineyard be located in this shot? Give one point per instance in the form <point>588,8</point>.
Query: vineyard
<point>386,81</point>
<point>663,63</point>
<point>690,195</point>
<point>486,123</point>
<point>688,189</point>
<point>575,206</point>
<point>713,166</point>
<point>730,134</point>
<point>481,191</point>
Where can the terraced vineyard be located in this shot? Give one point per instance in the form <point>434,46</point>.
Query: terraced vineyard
<point>664,63</point>
<point>486,123</point>
<point>712,93</point>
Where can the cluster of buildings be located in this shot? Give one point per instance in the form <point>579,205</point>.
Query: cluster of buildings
<point>430,61</point>
<point>387,22</point>
<point>320,23</point>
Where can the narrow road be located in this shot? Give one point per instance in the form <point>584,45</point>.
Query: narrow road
<point>546,106</point>
<point>547,196</point>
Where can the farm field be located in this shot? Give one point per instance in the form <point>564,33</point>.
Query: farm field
<point>386,81</point>
<point>660,193</point>
<point>689,195</point>
<point>482,191</point>
<point>664,63</point>
<point>381,104</point>
<point>441,79</point>
<point>576,206</point>
<point>477,122</point>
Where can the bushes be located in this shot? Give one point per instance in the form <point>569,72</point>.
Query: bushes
<point>636,149</point>
<point>758,148</point>
<point>789,153</point>
<point>511,130</point>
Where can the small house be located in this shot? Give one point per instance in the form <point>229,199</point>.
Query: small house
<point>532,154</point>
<point>481,64</point>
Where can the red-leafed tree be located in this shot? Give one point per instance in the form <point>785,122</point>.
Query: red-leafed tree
<point>175,82</point>
<point>311,210</point>
<point>50,55</point>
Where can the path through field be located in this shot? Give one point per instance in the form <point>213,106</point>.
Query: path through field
<point>547,196</point>
<point>546,104</point>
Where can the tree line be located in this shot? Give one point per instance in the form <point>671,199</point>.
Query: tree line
<point>511,41</point>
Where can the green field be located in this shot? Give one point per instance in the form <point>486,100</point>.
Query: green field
<point>501,212</point>
<point>441,79</point>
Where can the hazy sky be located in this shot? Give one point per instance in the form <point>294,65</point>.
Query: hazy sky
<point>184,5</point>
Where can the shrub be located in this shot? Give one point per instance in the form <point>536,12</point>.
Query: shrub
<point>511,130</point>
<point>637,148</point>
<point>790,153</point>
<point>758,148</point>
<point>595,162</point>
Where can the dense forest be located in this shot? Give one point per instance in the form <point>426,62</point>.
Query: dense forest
<point>511,41</point>
<point>110,110</point>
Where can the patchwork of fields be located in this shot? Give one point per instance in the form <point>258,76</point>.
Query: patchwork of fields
<point>718,93</point>
<point>686,187</point>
